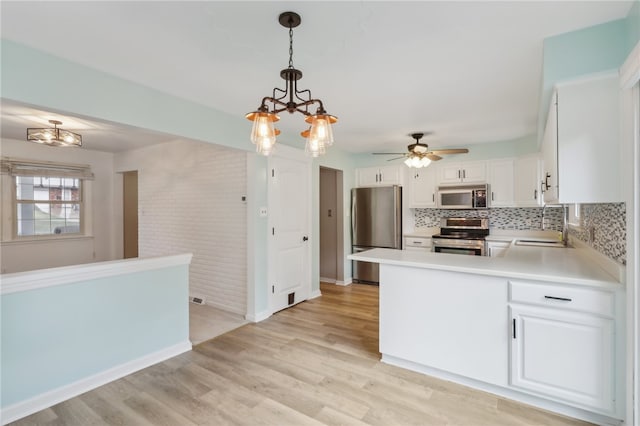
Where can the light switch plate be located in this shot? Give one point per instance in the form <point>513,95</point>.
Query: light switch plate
<point>263,212</point>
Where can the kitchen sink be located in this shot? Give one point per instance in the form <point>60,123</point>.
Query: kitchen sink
<point>540,243</point>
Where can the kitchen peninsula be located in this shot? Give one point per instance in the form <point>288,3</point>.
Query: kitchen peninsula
<point>540,325</point>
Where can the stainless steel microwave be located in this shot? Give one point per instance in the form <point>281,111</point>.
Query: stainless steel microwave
<point>463,197</point>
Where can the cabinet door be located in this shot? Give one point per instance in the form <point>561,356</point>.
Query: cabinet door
<point>549,179</point>
<point>474,171</point>
<point>589,141</point>
<point>422,188</point>
<point>368,176</point>
<point>497,248</point>
<point>527,182</point>
<point>449,173</point>
<point>563,355</point>
<point>501,182</point>
<point>391,175</point>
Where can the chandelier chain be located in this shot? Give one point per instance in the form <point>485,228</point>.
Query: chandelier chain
<point>290,47</point>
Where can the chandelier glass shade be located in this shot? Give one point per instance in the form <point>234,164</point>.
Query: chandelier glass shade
<point>54,136</point>
<point>290,99</point>
<point>417,161</point>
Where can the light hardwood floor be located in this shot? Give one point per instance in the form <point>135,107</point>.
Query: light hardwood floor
<point>315,363</point>
<point>207,322</point>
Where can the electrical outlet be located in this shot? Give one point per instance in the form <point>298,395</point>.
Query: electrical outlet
<point>263,212</point>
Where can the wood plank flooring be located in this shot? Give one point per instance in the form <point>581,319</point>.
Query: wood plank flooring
<point>313,364</point>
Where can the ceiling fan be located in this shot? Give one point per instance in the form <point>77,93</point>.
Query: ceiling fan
<point>419,155</point>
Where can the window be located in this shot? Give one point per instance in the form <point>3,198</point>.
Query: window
<point>48,205</point>
<point>44,199</point>
<point>574,214</point>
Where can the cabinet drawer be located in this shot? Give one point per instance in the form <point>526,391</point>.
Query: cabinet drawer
<point>564,297</point>
<point>424,242</point>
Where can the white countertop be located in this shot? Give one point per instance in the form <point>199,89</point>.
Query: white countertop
<point>561,265</point>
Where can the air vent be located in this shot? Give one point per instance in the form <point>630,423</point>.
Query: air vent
<point>196,300</point>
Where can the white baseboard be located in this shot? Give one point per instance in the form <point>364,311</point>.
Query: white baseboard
<point>45,400</point>
<point>314,294</point>
<point>328,280</point>
<point>257,317</point>
<point>348,281</point>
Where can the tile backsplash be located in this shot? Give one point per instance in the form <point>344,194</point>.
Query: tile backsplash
<point>499,218</point>
<point>602,226</point>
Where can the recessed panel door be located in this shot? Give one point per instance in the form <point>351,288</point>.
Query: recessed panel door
<point>289,228</point>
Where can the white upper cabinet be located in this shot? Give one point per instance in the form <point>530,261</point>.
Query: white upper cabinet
<point>464,172</point>
<point>422,187</point>
<point>581,144</point>
<point>527,181</point>
<point>379,176</point>
<point>501,175</point>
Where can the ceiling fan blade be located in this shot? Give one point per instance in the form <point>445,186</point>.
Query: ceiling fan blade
<point>450,151</point>
<point>433,157</point>
<point>397,158</point>
<point>388,153</point>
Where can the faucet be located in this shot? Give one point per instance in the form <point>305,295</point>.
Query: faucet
<point>565,220</point>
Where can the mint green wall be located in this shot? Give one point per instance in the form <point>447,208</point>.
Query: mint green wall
<point>483,151</point>
<point>633,26</point>
<point>55,336</point>
<point>36,78</point>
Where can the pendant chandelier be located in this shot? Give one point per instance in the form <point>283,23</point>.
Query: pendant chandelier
<point>319,134</point>
<point>54,136</point>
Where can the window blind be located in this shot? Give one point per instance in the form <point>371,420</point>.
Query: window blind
<point>17,167</point>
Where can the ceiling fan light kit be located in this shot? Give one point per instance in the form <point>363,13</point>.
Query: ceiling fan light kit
<point>263,135</point>
<point>419,155</point>
<point>54,136</point>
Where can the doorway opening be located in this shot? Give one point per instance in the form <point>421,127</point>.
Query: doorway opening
<point>130,214</point>
<point>331,226</point>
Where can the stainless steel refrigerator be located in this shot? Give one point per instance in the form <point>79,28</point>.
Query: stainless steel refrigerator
<point>376,221</point>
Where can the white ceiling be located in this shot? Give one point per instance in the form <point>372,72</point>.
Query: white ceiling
<point>470,72</point>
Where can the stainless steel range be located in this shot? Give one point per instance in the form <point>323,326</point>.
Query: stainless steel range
<point>461,235</point>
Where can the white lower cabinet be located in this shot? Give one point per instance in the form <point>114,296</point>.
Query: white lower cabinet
<point>563,345</point>
<point>417,243</point>
<point>497,248</point>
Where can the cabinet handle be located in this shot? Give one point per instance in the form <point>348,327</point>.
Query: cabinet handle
<point>535,194</point>
<point>564,299</point>
<point>433,198</point>
<point>459,174</point>
<point>417,242</point>
<point>377,176</point>
<point>514,328</point>
<point>464,174</point>
<point>380,176</point>
<point>491,195</point>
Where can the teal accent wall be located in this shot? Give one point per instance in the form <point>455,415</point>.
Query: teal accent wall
<point>55,336</point>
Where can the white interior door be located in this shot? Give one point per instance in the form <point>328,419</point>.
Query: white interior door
<point>289,228</point>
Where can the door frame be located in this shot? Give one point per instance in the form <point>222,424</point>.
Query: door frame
<point>287,153</point>
<point>630,133</point>
<point>339,227</point>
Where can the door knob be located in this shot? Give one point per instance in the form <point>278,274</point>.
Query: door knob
<point>305,238</point>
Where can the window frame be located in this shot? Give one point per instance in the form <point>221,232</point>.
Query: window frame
<point>11,167</point>
<point>14,213</point>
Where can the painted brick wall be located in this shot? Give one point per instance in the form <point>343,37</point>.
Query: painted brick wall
<point>190,200</point>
